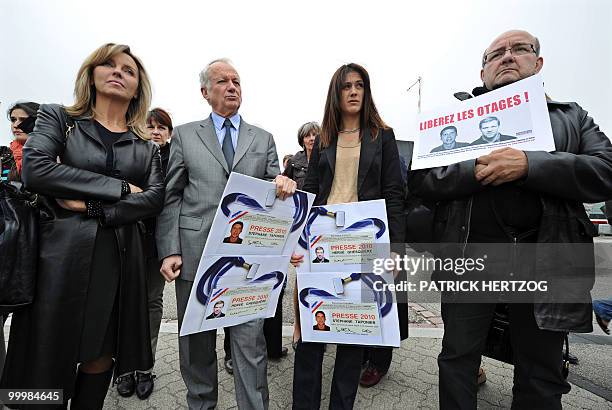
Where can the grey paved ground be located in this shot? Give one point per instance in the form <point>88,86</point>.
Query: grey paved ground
<point>411,382</point>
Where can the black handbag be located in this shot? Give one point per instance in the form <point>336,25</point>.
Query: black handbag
<point>499,347</point>
<point>20,212</point>
<point>566,358</point>
<point>18,246</point>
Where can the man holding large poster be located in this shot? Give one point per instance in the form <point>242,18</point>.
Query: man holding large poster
<point>513,196</point>
<point>202,156</point>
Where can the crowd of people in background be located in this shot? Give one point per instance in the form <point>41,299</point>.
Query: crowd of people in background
<point>130,199</point>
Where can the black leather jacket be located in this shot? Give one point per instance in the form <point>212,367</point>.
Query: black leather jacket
<point>66,246</point>
<point>297,168</point>
<point>580,170</point>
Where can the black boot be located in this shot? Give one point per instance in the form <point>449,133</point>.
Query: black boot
<point>90,390</point>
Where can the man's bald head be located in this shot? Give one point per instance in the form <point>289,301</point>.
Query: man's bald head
<point>534,39</point>
<point>512,56</point>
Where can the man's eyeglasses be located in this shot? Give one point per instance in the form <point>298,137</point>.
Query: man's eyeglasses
<point>516,50</point>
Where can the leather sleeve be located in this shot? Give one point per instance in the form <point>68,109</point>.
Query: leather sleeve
<point>392,186</point>
<point>288,172</point>
<point>445,183</point>
<point>141,205</point>
<point>585,176</point>
<point>42,173</point>
<point>167,229</point>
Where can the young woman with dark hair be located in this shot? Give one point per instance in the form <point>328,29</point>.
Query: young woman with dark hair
<point>355,159</point>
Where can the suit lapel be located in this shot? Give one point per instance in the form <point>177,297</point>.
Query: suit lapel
<point>127,136</point>
<point>366,156</point>
<point>245,139</point>
<point>206,132</point>
<point>330,153</point>
<point>88,127</point>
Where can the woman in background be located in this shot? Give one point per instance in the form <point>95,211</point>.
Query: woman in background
<point>159,127</point>
<point>297,165</point>
<point>22,116</point>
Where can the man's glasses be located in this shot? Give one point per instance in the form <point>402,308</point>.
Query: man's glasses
<point>516,50</point>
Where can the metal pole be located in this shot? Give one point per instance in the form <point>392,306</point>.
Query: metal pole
<point>420,82</point>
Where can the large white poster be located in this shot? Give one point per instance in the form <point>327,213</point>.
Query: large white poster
<point>340,300</point>
<point>348,308</point>
<point>512,116</point>
<point>344,237</point>
<point>229,290</point>
<point>245,260</point>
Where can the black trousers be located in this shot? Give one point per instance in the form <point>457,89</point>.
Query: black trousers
<point>378,357</point>
<point>273,332</point>
<point>307,376</point>
<point>538,354</point>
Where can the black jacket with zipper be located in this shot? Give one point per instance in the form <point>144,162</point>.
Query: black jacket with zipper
<point>45,337</point>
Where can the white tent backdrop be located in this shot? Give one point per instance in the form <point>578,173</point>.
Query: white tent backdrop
<point>286,52</point>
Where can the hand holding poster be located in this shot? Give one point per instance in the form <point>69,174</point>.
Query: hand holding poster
<point>512,116</point>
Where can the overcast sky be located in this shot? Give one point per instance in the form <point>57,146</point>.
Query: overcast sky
<point>286,52</point>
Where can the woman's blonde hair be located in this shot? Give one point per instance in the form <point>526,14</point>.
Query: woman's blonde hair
<point>85,90</point>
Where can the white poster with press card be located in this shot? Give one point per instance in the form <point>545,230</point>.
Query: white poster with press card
<point>251,220</point>
<point>229,290</point>
<point>340,300</point>
<point>244,264</point>
<point>347,309</point>
<point>344,237</point>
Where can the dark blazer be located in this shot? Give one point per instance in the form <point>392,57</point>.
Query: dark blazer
<point>297,168</point>
<point>379,176</point>
<point>45,337</point>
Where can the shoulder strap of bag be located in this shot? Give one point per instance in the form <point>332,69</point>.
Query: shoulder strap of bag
<point>69,124</point>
